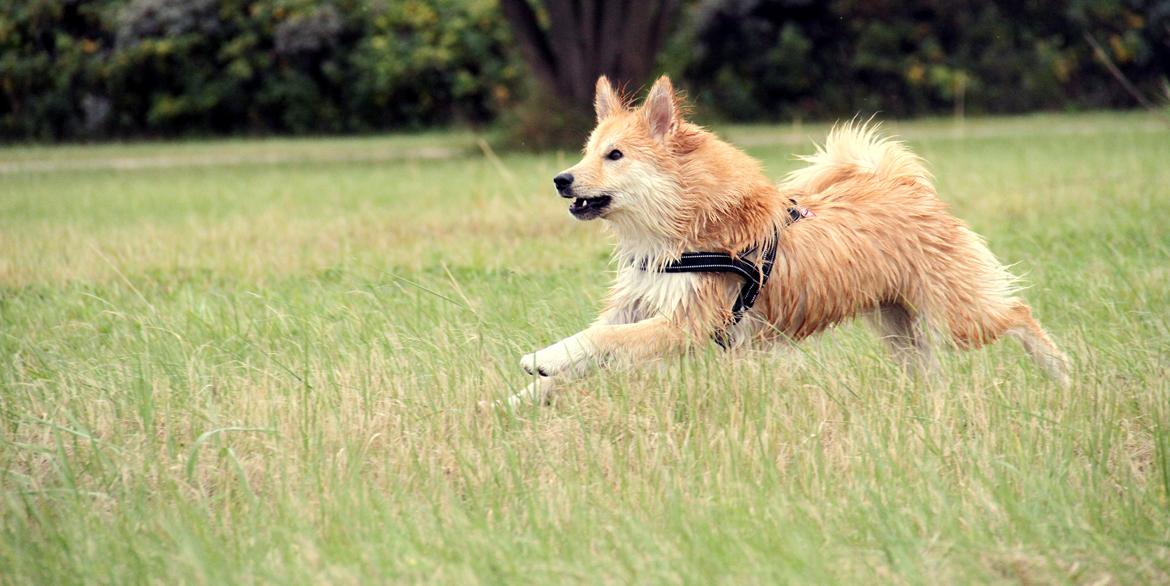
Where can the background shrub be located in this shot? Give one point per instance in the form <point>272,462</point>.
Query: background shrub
<point>110,68</point>
<point>50,52</point>
<point>778,59</point>
<point>85,68</point>
<point>427,62</point>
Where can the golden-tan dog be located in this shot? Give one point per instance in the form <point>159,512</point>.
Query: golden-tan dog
<point>873,239</point>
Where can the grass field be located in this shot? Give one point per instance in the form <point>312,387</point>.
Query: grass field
<point>258,361</point>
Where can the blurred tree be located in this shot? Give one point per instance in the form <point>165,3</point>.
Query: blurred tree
<point>782,59</point>
<point>569,43</point>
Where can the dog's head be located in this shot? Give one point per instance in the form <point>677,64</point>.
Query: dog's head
<point>629,173</point>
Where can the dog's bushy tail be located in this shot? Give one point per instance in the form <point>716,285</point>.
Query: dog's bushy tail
<point>852,149</point>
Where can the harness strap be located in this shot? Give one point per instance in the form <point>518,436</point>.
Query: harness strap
<point>754,275</point>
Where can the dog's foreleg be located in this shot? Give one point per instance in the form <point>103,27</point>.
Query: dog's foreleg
<point>539,391</point>
<point>639,342</point>
<point>624,343</point>
<point>601,343</point>
<point>569,357</point>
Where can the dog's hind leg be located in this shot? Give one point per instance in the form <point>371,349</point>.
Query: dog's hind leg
<point>905,337</point>
<point>974,330</point>
<point>1039,346</point>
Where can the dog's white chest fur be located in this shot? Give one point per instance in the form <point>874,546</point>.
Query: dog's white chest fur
<point>642,294</point>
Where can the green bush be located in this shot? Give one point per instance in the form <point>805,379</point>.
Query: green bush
<point>778,59</point>
<point>50,74</point>
<point>78,68</point>
<point>108,68</point>
<point>435,61</point>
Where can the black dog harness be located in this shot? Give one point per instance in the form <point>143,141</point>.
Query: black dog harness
<point>754,275</point>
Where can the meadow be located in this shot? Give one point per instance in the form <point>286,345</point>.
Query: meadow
<point>246,361</point>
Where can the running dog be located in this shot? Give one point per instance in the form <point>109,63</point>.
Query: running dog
<point>708,247</point>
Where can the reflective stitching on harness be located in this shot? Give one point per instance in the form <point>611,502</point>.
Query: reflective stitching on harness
<point>704,268</point>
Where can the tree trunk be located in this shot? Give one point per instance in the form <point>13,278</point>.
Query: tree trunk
<point>580,40</point>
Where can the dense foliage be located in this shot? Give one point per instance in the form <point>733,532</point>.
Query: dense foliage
<point>75,68</point>
<point>775,59</point>
<point>101,68</point>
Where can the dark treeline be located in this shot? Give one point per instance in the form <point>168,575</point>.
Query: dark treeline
<point>113,68</point>
<point>757,59</point>
<point>94,68</point>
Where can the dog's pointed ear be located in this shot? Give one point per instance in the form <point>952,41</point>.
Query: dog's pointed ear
<point>661,109</point>
<point>605,100</point>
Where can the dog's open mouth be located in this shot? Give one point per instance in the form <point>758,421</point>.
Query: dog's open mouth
<point>587,208</point>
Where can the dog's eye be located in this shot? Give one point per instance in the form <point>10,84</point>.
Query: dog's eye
<point>614,155</point>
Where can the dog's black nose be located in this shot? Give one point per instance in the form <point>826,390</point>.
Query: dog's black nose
<point>563,181</point>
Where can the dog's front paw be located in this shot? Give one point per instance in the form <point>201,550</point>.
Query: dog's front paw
<point>532,365</point>
<point>565,356</point>
<point>548,362</point>
<point>538,392</point>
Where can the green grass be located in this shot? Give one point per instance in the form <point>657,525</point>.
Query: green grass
<point>258,361</point>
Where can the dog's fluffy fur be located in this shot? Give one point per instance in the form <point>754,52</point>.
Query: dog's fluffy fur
<point>880,243</point>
